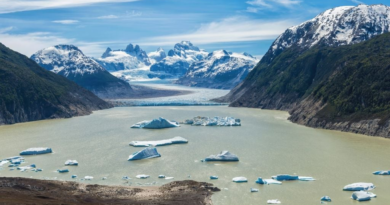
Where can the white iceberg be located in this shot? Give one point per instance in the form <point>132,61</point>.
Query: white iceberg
<point>285,177</point>
<point>254,190</point>
<point>88,177</point>
<point>22,169</point>
<point>326,198</point>
<point>362,196</point>
<point>381,173</point>
<point>37,150</point>
<point>158,123</point>
<point>146,153</point>
<point>142,176</point>
<point>16,161</point>
<point>302,178</point>
<point>175,140</point>
<point>360,186</point>
<point>3,162</point>
<point>273,201</point>
<point>71,163</point>
<point>223,156</point>
<point>240,179</point>
<point>267,181</point>
<point>167,178</point>
<point>213,121</point>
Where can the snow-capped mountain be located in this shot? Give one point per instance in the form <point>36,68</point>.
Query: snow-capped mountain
<point>338,26</point>
<point>157,56</point>
<point>220,69</point>
<point>178,60</point>
<point>70,61</point>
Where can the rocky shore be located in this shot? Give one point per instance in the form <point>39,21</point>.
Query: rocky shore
<point>34,191</point>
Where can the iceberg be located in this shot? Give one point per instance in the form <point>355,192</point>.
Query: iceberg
<point>161,176</point>
<point>33,166</point>
<point>213,121</point>
<point>16,161</point>
<point>167,178</point>
<point>213,177</point>
<point>22,169</point>
<point>273,201</point>
<point>63,170</point>
<point>74,176</point>
<point>146,153</point>
<point>15,157</point>
<point>158,123</point>
<point>381,173</point>
<point>360,186</point>
<point>223,156</point>
<point>88,177</point>
<point>301,178</point>
<point>34,151</point>
<point>267,181</point>
<point>362,196</point>
<point>175,140</point>
<point>240,179</point>
<point>142,176</point>
<point>326,198</point>
<point>3,162</point>
<point>285,177</point>
<point>254,190</point>
<point>71,163</point>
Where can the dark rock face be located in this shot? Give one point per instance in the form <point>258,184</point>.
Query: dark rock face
<point>29,92</point>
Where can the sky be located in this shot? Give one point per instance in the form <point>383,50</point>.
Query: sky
<point>93,25</point>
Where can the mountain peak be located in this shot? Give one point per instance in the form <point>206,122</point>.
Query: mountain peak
<point>184,46</point>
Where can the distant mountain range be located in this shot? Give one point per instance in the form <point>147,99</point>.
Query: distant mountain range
<point>329,72</point>
<point>29,92</point>
<point>70,62</point>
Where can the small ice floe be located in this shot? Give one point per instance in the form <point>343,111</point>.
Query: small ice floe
<point>223,156</point>
<point>88,177</point>
<point>161,176</point>
<point>213,177</point>
<point>326,198</point>
<point>22,169</point>
<point>3,162</point>
<point>362,196</point>
<point>273,201</point>
<point>213,121</point>
<point>35,151</point>
<point>38,170</point>
<point>16,161</point>
<point>168,178</point>
<point>158,123</point>
<point>125,178</point>
<point>15,157</point>
<point>254,190</point>
<point>13,165</point>
<point>360,186</point>
<point>175,140</point>
<point>285,177</point>
<point>146,153</point>
<point>142,176</point>
<point>74,176</point>
<point>33,166</point>
<point>267,181</point>
<point>381,173</point>
<point>302,178</point>
<point>240,179</point>
<point>71,163</point>
<point>62,170</point>
<point>104,178</point>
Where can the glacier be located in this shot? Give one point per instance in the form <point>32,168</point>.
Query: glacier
<point>360,186</point>
<point>146,153</point>
<point>158,123</point>
<point>213,121</point>
<point>223,156</point>
<point>175,140</point>
<point>35,151</point>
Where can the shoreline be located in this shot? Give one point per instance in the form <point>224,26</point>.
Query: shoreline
<point>17,190</point>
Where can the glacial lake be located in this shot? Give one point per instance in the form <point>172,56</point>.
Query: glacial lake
<point>266,143</point>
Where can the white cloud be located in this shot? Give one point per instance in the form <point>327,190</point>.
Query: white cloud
<point>9,6</point>
<point>66,21</point>
<point>261,4</point>
<point>258,3</point>
<point>5,30</point>
<point>236,29</point>
<point>252,10</point>
<point>357,2</point>
<point>108,17</point>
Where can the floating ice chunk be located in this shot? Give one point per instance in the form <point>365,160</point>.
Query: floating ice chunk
<point>223,156</point>
<point>22,169</point>
<point>267,181</point>
<point>74,176</point>
<point>360,186</point>
<point>175,140</point>
<point>240,179</point>
<point>142,176</point>
<point>213,121</point>
<point>213,177</point>
<point>273,201</point>
<point>167,178</point>
<point>161,176</point>
<point>381,173</point>
<point>34,151</point>
<point>260,181</point>
<point>71,163</point>
<point>13,165</point>
<point>362,196</point>
<point>285,177</point>
<point>146,153</point>
<point>16,161</point>
<point>88,177</point>
<point>158,123</point>
<point>326,198</point>
<point>15,157</point>
<point>3,162</point>
<point>33,166</point>
<point>254,190</point>
<point>62,170</point>
<point>38,170</point>
<point>301,178</point>
<point>104,178</point>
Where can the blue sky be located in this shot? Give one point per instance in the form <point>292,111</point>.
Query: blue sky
<point>234,25</point>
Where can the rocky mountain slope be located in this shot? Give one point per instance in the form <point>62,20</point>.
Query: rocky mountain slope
<point>69,61</point>
<point>178,60</point>
<point>220,69</point>
<point>157,56</point>
<point>315,71</point>
<point>28,92</point>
